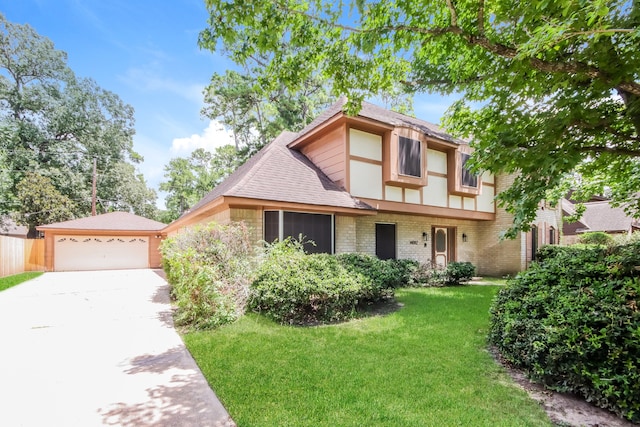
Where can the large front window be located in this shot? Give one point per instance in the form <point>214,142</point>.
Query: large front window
<point>316,228</point>
<point>409,157</point>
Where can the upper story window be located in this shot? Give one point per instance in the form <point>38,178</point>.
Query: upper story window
<point>405,158</point>
<point>469,179</point>
<point>409,157</point>
<point>463,182</point>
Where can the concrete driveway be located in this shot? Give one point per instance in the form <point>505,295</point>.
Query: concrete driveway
<point>98,348</point>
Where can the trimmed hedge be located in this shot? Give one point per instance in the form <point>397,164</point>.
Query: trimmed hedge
<point>572,322</point>
<point>297,288</point>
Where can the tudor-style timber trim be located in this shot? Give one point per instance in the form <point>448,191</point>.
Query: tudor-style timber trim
<point>359,123</point>
<point>426,210</point>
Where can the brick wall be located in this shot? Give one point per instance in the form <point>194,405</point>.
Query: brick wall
<point>222,217</point>
<point>345,237</point>
<point>499,256</point>
<point>409,240</point>
<point>252,218</point>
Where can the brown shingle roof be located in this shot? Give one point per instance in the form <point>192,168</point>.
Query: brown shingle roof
<point>373,112</point>
<point>121,221</point>
<point>277,173</point>
<point>280,174</point>
<point>601,216</point>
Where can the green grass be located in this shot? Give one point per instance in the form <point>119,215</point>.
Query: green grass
<point>16,279</point>
<point>424,365</point>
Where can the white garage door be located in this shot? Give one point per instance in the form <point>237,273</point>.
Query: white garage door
<point>100,252</point>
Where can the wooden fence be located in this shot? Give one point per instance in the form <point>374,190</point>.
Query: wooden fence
<point>20,255</point>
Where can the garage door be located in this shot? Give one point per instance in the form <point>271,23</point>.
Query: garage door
<point>100,252</point>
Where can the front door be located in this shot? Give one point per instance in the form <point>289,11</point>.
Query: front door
<point>443,245</point>
<point>386,241</point>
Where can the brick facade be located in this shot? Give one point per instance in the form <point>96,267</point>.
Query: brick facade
<point>253,219</point>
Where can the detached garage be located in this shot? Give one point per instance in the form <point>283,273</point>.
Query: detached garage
<point>113,241</point>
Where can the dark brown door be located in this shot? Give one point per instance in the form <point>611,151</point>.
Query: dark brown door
<point>386,241</point>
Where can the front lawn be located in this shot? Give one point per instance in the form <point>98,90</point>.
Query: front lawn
<point>16,279</point>
<point>423,365</point>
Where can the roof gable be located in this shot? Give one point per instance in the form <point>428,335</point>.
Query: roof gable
<point>280,174</point>
<point>382,115</point>
<point>601,216</point>
<point>113,221</point>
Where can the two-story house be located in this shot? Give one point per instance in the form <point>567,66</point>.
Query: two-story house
<point>381,183</point>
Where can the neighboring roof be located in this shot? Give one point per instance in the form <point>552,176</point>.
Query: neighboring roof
<point>601,216</point>
<point>373,112</point>
<point>113,221</point>
<point>8,227</point>
<point>277,173</point>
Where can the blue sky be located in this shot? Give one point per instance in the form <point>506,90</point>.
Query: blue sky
<point>146,52</point>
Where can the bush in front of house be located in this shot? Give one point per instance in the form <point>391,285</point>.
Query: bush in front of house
<point>209,269</point>
<point>572,322</point>
<point>429,275</point>
<point>292,287</point>
<point>457,273</point>
<point>595,238</point>
<point>386,274</point>
<point>402,270</point>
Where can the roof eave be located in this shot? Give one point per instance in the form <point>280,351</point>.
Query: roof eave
<point>244,202</point>
<point>339,118</point>
<point>200,213</point>
<point>97,230</point>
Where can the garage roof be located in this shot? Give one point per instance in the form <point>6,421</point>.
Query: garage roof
<point>113,221</point>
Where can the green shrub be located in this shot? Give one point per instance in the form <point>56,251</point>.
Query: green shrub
<point>429,275</point>
<point>403,270</point>
<point>209,269</point>
<point>298,288</point>
<point>595,238</point>
<point>392,273</point>
<point>457,273</point>
<point>572,321</point>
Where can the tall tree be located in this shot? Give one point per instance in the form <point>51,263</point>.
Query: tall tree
<point>56,124</point>
<point>547,87</point>
<point>41,203</point>
<point>256,112</point>
<point>188,179</point>
<point>180,186</point>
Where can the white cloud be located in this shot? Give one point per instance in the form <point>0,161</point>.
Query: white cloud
<point>212,137</point>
